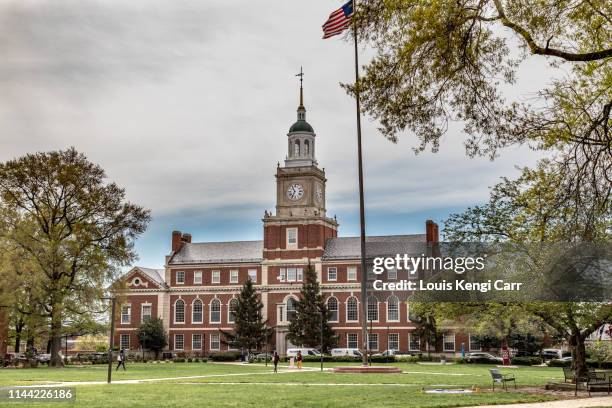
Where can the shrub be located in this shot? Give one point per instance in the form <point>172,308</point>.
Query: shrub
<point>225,356</point>
<point>204,360</point>
<point>526,361</point>
<point>189,360</point>
<point>179,360</point>
<point>559,363</point>
<point>382,359</point>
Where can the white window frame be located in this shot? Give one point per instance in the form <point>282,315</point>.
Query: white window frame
<point>193,346</point>
<point>218,341</point>
<point>252,272</point>
<point>210,314</point>
<point>373,336</point>
<point>293,276</point>
<point>182,280</point>
<point>182,340</point>
<point>128,314</point>
<point>332,276</point>
<point>377,309</point>
<point>444,341</point>
<point>470,343</point>
<point>124,336</point>
<point>184,311</point>
<point>331,320</point>
<point>233,275</point>
<point>292,235</point>
<point>397,336</point>
<point>410,338</point>
<point>193,321</point>
<point>215,277</point>
<point>347,309</point>
<point>348,341</point>
<point>351,273</point>
<point>392,274</point>
<point>398,309</point>
<point>142,308</point>
<point>282,275</point>
<point>197,277</point>
<point>229,310</point>
<point>299,274</point>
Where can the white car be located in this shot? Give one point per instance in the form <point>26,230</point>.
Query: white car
<point>292,352</point>
<point>341,352</point>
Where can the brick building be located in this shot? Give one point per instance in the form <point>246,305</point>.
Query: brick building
<point>197,289</point>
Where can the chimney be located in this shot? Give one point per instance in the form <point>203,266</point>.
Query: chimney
<point>431,232</point>
<point>177,242</point>
<point>186,238</point>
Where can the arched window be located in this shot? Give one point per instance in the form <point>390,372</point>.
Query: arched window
<point>215,311</point>
<point>306,147</point>
<point>232,306</point>
<point>179,311</point>
<point>291,312</point>
<point>332,306</point>
<point>352,312</point>
<point>197,312</point>
<point>296,149</point>
<point>372,309</point>
<point>393,309</point>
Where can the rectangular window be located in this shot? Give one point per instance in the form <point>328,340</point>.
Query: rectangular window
<point>197,277</point>
<point>146,313</point>
<point>180,277</point>
<point>282,274</point>
<point>233,276</point>
<point>371,274</point>
<point>392,274</point>
<point>415,342</point>
<point>351,340</point>
<point>292,238</point>
<point>126,314</point>
<point>332,274</point>
<point>300,274</point>
<point>215,344</point>
<point>125,341</point>
<point>373,341</point>
<point>475,343</point>
<point>253,275</point>
<point>291,274</point>
<point>449,341</point>
<point>179,341</point>
<point>351,273</point>
<point>196,342</point>
<point>393,341</point>
<point>216,276</point>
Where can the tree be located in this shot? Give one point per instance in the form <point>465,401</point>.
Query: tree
<point>424,316</point>
<point>310,324</point>
<point>441,61</point>
<point>251,331</point>
<point>152,336</point>
<point>74,228</point>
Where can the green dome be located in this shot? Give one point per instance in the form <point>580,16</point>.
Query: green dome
<point>301,126</point>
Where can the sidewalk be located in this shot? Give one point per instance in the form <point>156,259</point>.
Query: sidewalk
<point>572,403</point>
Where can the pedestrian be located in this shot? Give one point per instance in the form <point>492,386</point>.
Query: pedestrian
<point>121,360</point>
<point>299,359</point>
<point>275,360</point>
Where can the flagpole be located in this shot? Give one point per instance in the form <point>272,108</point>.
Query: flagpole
<point>364,274</point>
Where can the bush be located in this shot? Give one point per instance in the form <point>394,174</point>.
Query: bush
<point>204,360</point>
<point>225,356</point>
<point>526,361</point>
<point>382,359</point>
<point>179,360</point>
<point>329,359</point>
<point>189,360</point>
<point>559,363</point>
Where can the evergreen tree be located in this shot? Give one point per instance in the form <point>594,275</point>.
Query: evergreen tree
<point>311,317</point>
<point>152,336</point>
<point>251,330</point>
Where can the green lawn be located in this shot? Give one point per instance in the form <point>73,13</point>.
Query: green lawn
<point>254,386</point>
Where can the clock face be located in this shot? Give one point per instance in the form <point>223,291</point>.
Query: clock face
<point>295,192</point>
<point>319,193</point>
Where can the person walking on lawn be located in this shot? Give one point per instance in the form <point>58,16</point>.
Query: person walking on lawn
<point>299,359</point>
<point>121,360</point>
<point>275,360</point>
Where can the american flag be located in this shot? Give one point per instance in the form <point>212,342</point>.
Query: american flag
<point>338,21</point>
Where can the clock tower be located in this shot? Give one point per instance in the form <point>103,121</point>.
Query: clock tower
<point>300,227</point>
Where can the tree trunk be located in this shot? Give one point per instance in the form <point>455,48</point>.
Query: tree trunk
<point>56,338</point>
<point>578,354</point>
<point>18,331</point>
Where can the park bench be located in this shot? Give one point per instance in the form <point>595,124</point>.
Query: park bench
<point>503,379</point>
<point>594,381</point>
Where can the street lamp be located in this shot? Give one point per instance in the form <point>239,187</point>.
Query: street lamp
<point>112,334</point>
<point>321,348</point>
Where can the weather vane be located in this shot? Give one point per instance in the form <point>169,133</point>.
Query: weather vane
<point>301,75</point>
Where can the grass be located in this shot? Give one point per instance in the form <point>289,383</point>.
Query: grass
<point>254,386</point>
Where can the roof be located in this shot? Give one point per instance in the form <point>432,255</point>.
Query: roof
<point>388,245</point>
<point>301,126</point>
<point>157,275</point>
<point>219,252</point>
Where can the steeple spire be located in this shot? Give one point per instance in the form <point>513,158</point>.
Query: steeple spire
<point>301,75</point>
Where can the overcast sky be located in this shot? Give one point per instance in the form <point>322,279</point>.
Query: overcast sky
<point>187,106</point>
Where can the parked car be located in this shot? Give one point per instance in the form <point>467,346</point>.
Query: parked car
<point>551,354</point>
<point>292,352</point>
<point>43,358</point>
<point>341,352</point>
<point>392,353</point>
<point>483,358</point>
<point>262,357</point>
